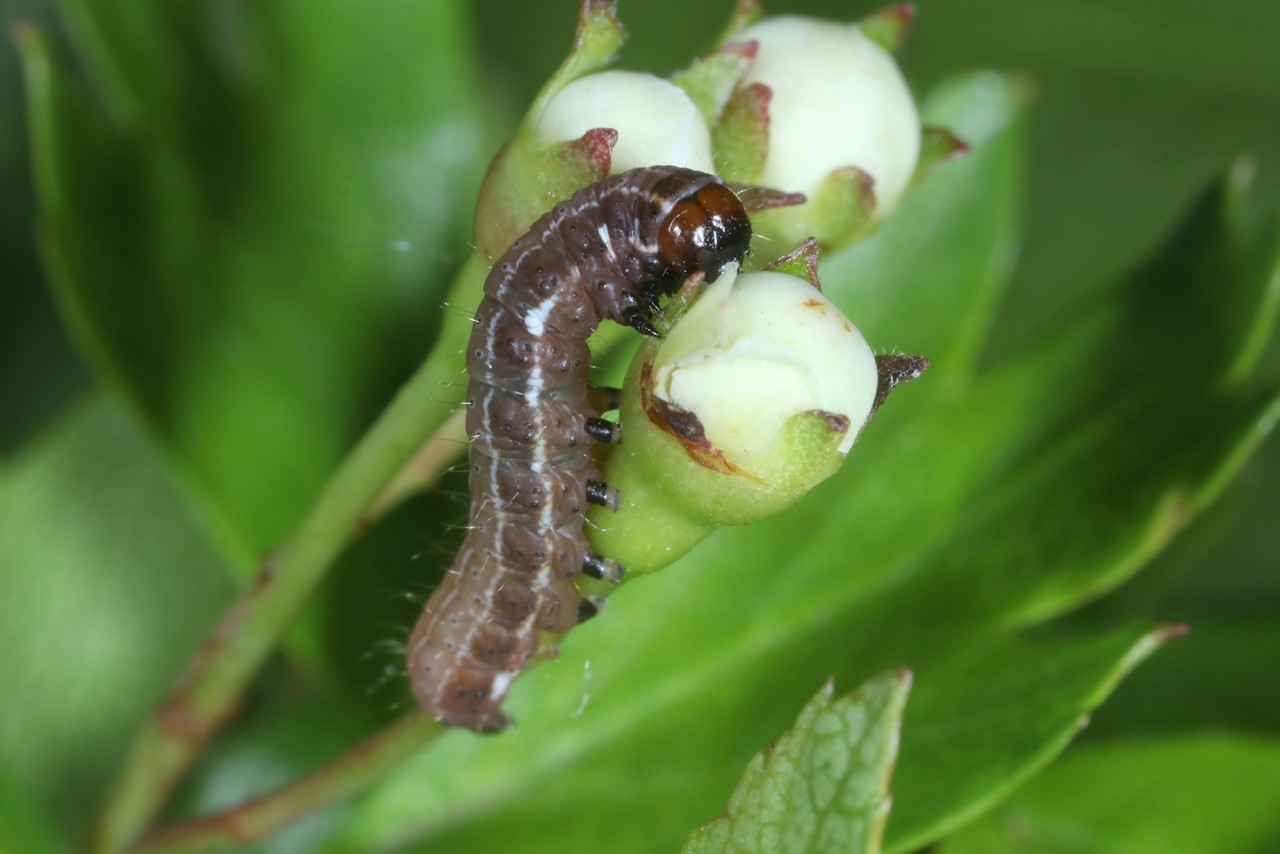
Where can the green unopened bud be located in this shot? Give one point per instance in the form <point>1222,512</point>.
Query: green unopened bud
<point>753,398</point>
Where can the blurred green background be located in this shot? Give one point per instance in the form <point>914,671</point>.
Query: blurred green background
<point>1139,106</point>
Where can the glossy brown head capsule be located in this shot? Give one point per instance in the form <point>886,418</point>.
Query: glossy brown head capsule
<point>705,231</point>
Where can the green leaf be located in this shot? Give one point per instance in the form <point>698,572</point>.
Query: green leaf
<point>24,826</point>
<point>1220,579</point>
<point>930,281</point>
<point>108,588</point>
<point>994,713</point>
<point>249,235</point>
<point>825,785</point>
<point>1195,793</point>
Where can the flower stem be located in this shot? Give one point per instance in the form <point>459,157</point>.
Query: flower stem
<point>206,694</point>
<point>269,813</point>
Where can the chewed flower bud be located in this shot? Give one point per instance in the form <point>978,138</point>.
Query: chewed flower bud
<point>840,110</point>
<point>752,354</point>
<point>753,398</point>
<point>657,123</point>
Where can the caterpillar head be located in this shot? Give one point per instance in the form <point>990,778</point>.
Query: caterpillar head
<point>705,231</point>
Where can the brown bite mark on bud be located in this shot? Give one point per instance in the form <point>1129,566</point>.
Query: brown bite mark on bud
<point>684,426</point>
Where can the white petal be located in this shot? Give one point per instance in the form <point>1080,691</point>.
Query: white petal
<point>838,100</point>
<point>656,122</point>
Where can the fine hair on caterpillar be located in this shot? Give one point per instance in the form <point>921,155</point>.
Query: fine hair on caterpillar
<point>611,251</point>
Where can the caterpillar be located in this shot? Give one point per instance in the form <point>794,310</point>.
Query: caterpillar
<point>612,250</point>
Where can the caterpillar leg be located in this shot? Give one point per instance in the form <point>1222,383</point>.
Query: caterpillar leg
<point>599,492</point>
<point>596,566</point>
<point>603,431</point>
<point>652,299</point>
<point>589,608</point>
<point>496,723</point>
<point>634,317</point>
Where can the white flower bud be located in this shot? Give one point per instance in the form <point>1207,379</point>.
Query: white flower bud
<point>838,100</point>
<point>754,397</point>
<point>657,123</point>
<point>755,351</point>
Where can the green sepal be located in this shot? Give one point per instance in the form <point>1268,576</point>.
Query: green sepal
<point>888,27</point>
<point>841,212</point>
<point>599,38</point>
<point>710,81</point>
<point>802,262</point>
<point>676,308</point>
<point>527,177</point>
<point>937,147</point>
<point>745,13</point>
<point>740,138</point>
<point>810,454</point>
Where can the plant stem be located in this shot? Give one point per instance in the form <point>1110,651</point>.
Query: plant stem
<point>269,813</point>
<point>206,694</point>
<point>421,472</point>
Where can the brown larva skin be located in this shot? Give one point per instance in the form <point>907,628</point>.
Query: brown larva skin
<point>609,251</point>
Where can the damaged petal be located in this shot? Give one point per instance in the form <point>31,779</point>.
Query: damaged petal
<point>755,350</point>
